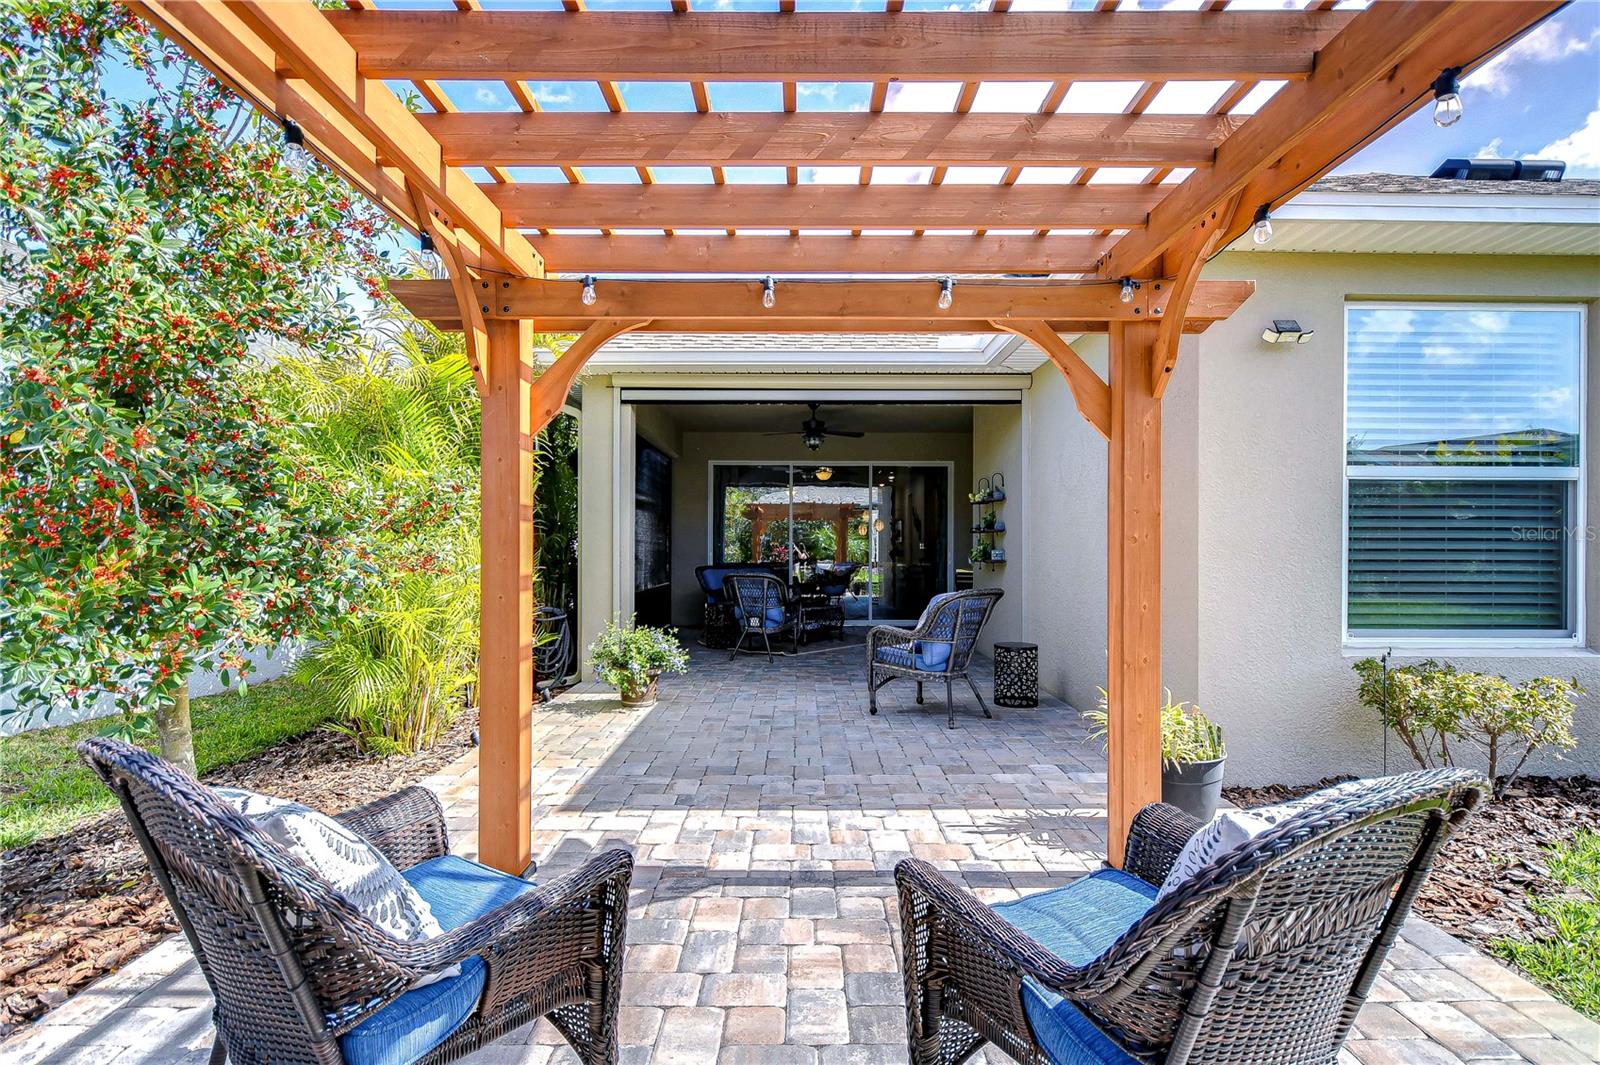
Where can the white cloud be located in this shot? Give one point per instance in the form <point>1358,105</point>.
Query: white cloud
<point>922,96</point>
<point>1580,149</point>
<point>487,97</point>
<point>1492,150</point>
<point>550,93</point>
<point>1551,42</point>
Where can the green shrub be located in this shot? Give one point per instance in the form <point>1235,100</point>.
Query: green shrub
<point>1435,708</point>
<point>627,656</point>
<point>392,438</point>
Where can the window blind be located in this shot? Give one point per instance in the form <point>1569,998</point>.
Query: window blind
<point>1463,452</point>
<point>1460,386</point>
<point>1470,555</point>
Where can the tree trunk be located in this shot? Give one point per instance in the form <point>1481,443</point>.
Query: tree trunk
<point>177,735</point>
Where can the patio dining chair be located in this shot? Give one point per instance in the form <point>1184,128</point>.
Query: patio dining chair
<point>1256,951</point>
<point>762,607</point>
<point>939,648</point>
<point>300,974</point>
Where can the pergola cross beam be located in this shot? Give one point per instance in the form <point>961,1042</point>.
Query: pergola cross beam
<point>823,302</point>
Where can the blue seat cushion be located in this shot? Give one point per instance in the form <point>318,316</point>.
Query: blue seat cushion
<point>774,621</point>
<point>1077,923</point>
<point>457,891</point>
<point>711,578</point>
<point>927,656</point>
<point>937,622</point>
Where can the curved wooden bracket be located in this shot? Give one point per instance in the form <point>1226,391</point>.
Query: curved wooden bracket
<point>466,288</point>
<point>1089,392</point>
<point>1185,274</point>
<point>550,388</point>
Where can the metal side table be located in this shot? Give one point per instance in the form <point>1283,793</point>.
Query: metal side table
<point>1016,674</point>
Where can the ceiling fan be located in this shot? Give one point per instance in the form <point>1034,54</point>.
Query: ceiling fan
<point>813,431</point>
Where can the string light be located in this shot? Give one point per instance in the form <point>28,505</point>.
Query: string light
<point>295,153</point>
<point>769,293</point>
<point>429,254</point>
<point>588,290</point>
<point>1447,98</point>
<point>1128,285</point>
<point>1263,231</point>
<point>947,293</point>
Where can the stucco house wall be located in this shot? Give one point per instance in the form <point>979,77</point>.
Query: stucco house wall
<point>1253,454</point>
<point>1273,667</point>
<point>1055,574</point>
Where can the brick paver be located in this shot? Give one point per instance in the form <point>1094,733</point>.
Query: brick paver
<point>766,811</point>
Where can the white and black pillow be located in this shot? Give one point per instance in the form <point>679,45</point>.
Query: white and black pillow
<point>1234,828</point>
<point>346,862</point>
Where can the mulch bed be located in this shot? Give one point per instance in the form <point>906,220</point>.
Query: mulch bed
<point>80,905</point>
<point>1481,880</point>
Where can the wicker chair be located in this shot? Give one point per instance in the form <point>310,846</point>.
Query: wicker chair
<point>939,648</point>
<point>298,975</point>
<point>762,606</point>
<point>1265,956</point>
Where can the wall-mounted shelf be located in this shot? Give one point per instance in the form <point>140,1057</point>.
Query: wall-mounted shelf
<point>988,528</point>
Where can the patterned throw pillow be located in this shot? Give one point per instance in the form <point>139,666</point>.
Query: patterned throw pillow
<point>1231,829</point>
<point>346,862</point>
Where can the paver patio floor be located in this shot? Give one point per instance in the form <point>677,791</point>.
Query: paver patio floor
<point>766,811</point>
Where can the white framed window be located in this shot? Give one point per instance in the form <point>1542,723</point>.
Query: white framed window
<point>1464,473</point>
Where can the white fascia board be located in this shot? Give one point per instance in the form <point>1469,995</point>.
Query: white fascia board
<point>1480,208</point>
<point>767,394</point>
<point>779,361</point>
<point>879,382</point>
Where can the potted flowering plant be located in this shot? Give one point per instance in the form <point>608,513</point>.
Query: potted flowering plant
<point>631,659</point>
<point>1192,755</point>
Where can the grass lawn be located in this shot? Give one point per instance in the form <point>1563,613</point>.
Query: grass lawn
<point>45,790</point>
<point>1567,963</point>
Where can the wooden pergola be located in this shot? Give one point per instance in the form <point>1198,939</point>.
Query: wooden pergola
<point>1116,258</point>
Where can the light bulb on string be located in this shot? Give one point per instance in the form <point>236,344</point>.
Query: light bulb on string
<point>1447,98</point>
<point>296,156</point>
<point>1263,228</point>
<point>947,293</point>
<point>1126,294</point>
<point>769,293</point>
<point>428,253</point>
<point>588,290</point>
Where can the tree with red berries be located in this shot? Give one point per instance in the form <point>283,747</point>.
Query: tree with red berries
<point>153,518</point>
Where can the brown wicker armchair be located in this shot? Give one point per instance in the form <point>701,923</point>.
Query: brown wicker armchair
<point>1262,958</point>
<point>297,972</point>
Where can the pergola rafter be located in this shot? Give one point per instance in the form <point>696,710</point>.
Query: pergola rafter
<point>761,138</point>
<point>1349,75</point>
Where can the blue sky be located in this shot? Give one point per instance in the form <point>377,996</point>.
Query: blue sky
<point>1539,99</point>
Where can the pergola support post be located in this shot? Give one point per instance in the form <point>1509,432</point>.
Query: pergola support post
<point>505,637</point>
<point>1133,582</point>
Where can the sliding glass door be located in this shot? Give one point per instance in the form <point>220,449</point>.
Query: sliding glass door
<point>881,531</point>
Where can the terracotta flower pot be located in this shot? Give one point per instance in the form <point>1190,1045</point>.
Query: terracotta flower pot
<point>640,697</point>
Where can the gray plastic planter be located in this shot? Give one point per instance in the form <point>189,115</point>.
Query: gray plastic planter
<point>1193,787</point>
